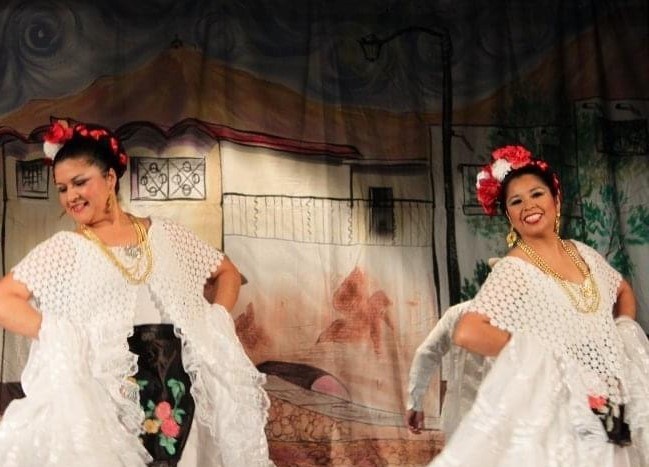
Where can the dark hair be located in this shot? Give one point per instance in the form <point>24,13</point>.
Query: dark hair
<point>547,176</point>
<point>96,151</point>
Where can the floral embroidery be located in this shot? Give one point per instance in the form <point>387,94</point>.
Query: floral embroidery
<point>163,418</point>
<point>612,417</point>
<point>596,402</point>
<point>151,426</point>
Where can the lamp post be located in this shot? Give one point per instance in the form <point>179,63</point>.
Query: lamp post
<point>371,45</point>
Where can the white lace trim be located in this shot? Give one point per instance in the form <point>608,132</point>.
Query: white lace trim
<point>227,389</point>
<point>69,417</point>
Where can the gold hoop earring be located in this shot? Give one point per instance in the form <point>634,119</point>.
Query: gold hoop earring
<point>512,236</point>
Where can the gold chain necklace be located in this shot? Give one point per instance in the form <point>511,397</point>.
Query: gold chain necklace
<point>588,291</point>
<point>142,241</point>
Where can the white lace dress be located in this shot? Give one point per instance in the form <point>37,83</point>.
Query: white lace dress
<point>533,408</point>
<point>81,408</point>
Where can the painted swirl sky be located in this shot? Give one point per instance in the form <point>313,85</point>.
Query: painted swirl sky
<point>56,48</point>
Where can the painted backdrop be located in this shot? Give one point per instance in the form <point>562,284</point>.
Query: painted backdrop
<point>331,151</point>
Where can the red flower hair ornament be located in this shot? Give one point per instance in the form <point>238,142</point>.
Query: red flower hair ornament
<point>490,178</point>
<point>60,132</point>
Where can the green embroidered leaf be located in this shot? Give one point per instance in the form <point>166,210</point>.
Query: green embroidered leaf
<point>142,383</point>
<point>177,389</point>
<point>169,444</point>
<point>150,405</point>
<point>178,416</point>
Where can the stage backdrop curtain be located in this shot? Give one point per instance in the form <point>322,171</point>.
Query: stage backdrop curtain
<point>331,150</point>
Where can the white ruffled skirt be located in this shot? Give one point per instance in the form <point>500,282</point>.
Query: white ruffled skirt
<point>532,410</point>
<point>80,409</point>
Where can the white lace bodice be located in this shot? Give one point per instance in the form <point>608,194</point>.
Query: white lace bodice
<point>69,274</point>
<point>517,297</point>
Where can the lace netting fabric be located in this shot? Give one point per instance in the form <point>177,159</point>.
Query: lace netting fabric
<point>518,297</point>
<point>73,282</point>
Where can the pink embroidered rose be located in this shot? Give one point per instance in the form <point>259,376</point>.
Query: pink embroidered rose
<point>170,428</point>
<point>163,410</point>
<point>596,402</point>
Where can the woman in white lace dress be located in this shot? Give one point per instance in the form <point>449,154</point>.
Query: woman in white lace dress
<point>570,384</point>
<point>130,365</point>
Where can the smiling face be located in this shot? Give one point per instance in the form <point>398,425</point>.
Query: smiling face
<point>83,189</point>
<point>530,206</point>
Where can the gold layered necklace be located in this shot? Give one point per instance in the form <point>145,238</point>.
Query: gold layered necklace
<point>585,296</point>
<point>132,274</point>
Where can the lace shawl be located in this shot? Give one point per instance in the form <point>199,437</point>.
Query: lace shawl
<point>519,297</point>
<point>71,280</point>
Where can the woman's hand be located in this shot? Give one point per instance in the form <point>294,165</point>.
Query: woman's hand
<point>16,314</point>
<point>414,421</point>
<point>474,333</point>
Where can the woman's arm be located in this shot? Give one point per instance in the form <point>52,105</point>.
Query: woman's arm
<point>474,333</point>
<point>16,314</point>
<point>625,305</point>
<point>224,284</point>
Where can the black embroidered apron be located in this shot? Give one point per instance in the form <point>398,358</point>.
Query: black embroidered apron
<point>164,392</point>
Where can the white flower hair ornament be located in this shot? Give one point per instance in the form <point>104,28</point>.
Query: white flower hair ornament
<point>500,169</point>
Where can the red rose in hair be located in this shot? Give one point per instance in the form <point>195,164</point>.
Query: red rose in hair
<point>517,156</point>
<point>56,136</point>
<point>487,193</point>
<point>58,133</point>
